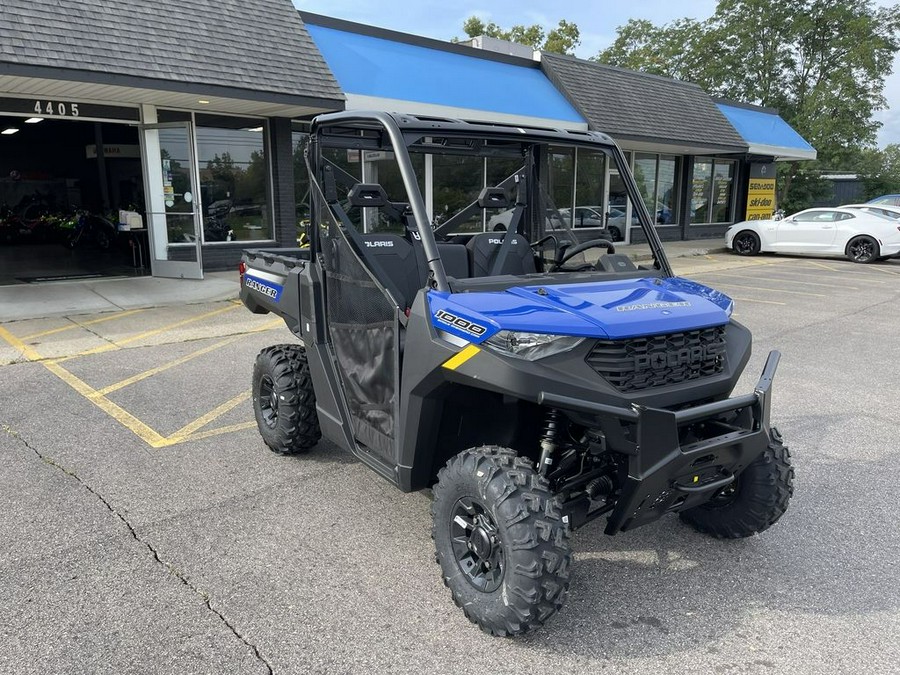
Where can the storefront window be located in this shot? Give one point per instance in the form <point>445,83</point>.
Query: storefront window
<point>234,179</point>
<point>301,183</point>
<point>590,168</point>
<point>645,177</point>
<point>657,179</point>
<point>561,176</point>
<point>712,191</point>
<point>458,180</point>
<point>381,167</point>
<point>723,178</point>
<point>700,189</point>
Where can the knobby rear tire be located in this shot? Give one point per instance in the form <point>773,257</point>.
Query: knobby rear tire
<point>282,385</point>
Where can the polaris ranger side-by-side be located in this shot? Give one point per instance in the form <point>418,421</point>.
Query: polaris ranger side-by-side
<point>534,382</point>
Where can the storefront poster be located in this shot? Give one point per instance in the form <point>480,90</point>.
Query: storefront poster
<point>761,192</point>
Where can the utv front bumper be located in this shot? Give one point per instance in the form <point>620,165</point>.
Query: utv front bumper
<point>665,475</point>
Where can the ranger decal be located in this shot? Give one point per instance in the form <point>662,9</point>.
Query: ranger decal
<point>267,288</point>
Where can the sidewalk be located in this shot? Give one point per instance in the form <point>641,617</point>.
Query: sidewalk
<point>64,298</point>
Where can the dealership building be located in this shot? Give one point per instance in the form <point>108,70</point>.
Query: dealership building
<point>164,138</point>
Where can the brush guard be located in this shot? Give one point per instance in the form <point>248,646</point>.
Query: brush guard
<point>665,476</point>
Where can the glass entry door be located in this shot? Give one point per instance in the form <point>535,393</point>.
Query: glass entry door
<point>617,207</point>
<point>173,201</point>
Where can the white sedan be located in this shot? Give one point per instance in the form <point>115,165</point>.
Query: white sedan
<point>861,236</point>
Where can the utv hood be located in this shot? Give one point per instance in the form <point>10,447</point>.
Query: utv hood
<point>605,309</point>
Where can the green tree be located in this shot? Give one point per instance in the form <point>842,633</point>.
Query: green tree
<point>680,50</point>
<point>561,40</point>
<point>821,63</point>
<point>879,170</point>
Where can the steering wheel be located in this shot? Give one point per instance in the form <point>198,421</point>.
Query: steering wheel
<point>570,252</point>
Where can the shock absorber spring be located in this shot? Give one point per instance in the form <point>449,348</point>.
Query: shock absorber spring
<point>549,439</point>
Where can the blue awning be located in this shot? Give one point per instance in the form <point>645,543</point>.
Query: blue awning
<point>375,72</point>
<point>766,133</point>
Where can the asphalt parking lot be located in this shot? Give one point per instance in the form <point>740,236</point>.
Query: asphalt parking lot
<point>146,528</point>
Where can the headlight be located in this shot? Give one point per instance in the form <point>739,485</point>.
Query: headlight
<point>531,346</point>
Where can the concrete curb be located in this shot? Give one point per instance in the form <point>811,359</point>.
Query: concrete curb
<point>642,256</point>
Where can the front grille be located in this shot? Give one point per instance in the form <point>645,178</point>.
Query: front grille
<point>640,363</point>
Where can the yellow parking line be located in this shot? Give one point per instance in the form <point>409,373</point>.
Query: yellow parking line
<point>855,272</point>
<point>149,333</point>
<point>166,366</point>
<point>881,269</point>
<point>202,421</point>
<point>184,359</point>
<point>773,290</point>
<point>818,275</point>
<point>122,416</point>
<point>77,324</point>
<point>824,267</point>
<point>215,432</point>
<point>789,281</point>
<point>765,302</point>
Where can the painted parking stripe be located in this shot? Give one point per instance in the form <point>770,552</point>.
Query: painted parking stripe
<point>150,333</point>
<point>813,274</point>
<point>203,420</point>
<point>774,290</point>
<point>122,416</point>
<point>765,302</point>
<point>789,281</point>
<point>166,366</point>
<point>187,357</point>
<point>82,324</point>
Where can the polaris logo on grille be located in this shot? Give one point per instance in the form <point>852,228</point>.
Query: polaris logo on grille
<point>687,356</point>
<point>378,244</point>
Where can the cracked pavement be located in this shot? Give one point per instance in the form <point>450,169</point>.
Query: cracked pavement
<point>217,556</point>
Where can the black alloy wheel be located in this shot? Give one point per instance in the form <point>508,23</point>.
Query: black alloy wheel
<point>501,540</point>
<point>863,250</point>
<point>268,401</point>
<point>476,545</point>
<point>746,243</point>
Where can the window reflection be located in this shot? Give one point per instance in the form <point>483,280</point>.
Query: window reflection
<point>234,179</point>
<point>712,191</point>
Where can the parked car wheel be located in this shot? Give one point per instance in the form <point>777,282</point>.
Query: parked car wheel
<point>500,540</point>
<point>863,249</point>
<point>746,243</point>
<point>615,234</point>
<point>283,400</point>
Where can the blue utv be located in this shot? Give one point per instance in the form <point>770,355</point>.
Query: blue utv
<point>533,378</point>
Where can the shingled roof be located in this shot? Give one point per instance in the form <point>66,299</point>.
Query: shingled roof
<point>635,106</point>
<point>258,46</point>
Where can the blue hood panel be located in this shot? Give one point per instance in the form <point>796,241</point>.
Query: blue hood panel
<point>605,309</point>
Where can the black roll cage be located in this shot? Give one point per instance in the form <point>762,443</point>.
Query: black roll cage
<point>404,129</point>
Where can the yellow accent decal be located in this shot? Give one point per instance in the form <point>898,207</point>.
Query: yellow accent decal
<point>461,357</point>
<point>696,479</point>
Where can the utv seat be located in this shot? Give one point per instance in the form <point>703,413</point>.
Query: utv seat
<point>485,247</point>
<point>398,260</point>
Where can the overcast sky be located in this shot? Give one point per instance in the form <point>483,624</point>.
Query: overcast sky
<point>597,20</point>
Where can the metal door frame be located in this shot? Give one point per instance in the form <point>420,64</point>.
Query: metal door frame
<point>612,169</point>
<point>163,267</point>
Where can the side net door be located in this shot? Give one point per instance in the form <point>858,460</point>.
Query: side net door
<point>363,322</point>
